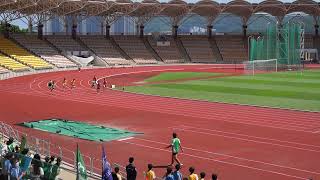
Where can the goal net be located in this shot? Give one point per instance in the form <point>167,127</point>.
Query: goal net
<point>256,66</point>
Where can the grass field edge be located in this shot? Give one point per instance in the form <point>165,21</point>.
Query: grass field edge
<point>220,102</point>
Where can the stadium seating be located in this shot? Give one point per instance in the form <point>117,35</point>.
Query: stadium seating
<point>65,43</point>
<point>11,64</point>
<point>169,54</point>
<point>198,49</point>
<point>44,50</point>
<point>22,55</point>
<point>136,49</point>
<point>3,70</point>
<point>232,48</point>
<point>103,48</point>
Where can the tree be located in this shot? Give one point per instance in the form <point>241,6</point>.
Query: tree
<point>12,28</point>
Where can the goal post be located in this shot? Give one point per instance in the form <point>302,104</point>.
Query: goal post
<point>252,67</point>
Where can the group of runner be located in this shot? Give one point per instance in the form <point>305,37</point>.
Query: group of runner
<point>96,83</point>
<point>52,84</point>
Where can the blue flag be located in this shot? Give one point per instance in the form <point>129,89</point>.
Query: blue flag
<point>106,168</point>
<point>25,163</point>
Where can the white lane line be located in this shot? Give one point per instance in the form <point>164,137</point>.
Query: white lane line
<point>125,139</point>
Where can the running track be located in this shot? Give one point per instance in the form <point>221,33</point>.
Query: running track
<point>237,142</point>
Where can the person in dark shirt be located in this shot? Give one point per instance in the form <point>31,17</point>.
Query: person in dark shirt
<point>131,170</point>
<point>214,177</point>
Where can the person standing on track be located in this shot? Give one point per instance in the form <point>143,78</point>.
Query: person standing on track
<point>176,147</point>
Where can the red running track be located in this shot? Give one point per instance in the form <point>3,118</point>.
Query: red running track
<point>237,142</point>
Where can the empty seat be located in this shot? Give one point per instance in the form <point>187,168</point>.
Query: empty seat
<point>136,49</point>
<point>169,54</point>
<point>105,50</point>
<point>199,49</point>
<point>44,50</point>
<point>22,55</point>
<point>232,48</point>
<point>11,64</point>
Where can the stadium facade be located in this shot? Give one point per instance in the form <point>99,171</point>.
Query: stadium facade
<point>127,17</point>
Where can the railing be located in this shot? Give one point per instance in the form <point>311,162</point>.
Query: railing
<point>23,73</point>
<point>46,148</point>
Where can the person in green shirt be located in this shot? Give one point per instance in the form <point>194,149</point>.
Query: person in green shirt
<point>176,147</point>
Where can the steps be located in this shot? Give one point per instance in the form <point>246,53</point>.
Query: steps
<point>60,51</point>
<point>182,50</point>
<point>120,50</point>
<point>97,60</point>
<point>151,50</point>
<point>215,49</point>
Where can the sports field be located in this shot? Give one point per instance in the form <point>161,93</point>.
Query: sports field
<point>293,90</point>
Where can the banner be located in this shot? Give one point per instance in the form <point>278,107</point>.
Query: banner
<point>81,167</point>
<point>106,168</point>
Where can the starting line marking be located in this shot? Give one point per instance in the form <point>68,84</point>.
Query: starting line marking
<point>124,139</point>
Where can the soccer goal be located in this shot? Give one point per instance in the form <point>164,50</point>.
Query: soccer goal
<point>256,66</point>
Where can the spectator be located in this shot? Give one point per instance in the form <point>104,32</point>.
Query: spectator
<point>131,170</point>
<point>176,174</point>
<point>116,175</point>
<point>202,175</point>
<point>168,175</point>
<point>192,175</point>
<point>36,170</point>
<point>51,160</point>
<point>17,149</point>
<point>10,145</point>
<point>25,160</point>
<point>3,149</point>
<point>46,168</point>
<point>15,172</point>
<point>7,165</point>
<point>55,169</point>
<point>214,177</point>
<point>150,175</point>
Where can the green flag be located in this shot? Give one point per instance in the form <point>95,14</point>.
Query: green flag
<point>23,143</point>
<point>81,167</point>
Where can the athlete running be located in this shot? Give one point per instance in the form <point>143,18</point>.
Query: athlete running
<point>64,83</point>
<point>73,83</point>
<point>104,82</point>
<point>50,85</point>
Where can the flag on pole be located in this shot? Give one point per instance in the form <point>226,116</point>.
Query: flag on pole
<point>25,163</point>
<point>106,168</point>
<point>81,168</point>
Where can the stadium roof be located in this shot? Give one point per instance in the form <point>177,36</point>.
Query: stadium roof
<point>10,9</point>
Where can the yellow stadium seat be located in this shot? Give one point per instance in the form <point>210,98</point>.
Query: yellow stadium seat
<point>22,55</point>
<point>11,64</point>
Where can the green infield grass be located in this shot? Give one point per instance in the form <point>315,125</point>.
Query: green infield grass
<point>292,90</point>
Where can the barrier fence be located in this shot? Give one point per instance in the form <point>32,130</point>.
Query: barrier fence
<point>46,148</point>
